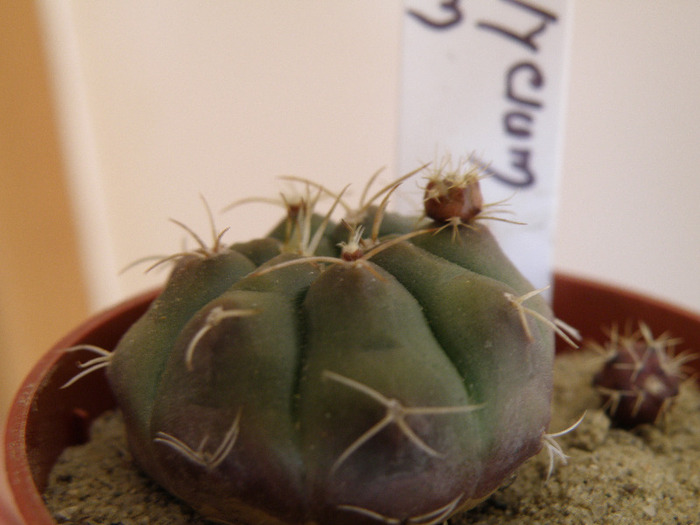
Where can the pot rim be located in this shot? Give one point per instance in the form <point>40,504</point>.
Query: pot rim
<point>19,469</point>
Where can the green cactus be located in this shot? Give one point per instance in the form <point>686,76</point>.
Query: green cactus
<point>396,377</point>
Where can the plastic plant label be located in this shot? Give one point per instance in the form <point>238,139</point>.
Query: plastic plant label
<point>485,80</point>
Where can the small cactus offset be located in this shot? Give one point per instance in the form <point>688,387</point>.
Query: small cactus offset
<point>385,369</point>
<point>640,377</point>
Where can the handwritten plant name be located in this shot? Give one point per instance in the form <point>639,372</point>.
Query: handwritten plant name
<point>523,80</point>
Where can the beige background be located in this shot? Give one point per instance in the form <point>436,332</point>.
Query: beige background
<point>129,135</point>
<point>41,289</point>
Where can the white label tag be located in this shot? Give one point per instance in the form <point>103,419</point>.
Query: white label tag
<point>486,79</point>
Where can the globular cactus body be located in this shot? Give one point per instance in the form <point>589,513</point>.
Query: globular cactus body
<point>641,377</point>
<point>399,378</point>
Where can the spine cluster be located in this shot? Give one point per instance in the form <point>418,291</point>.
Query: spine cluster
<point>641,376</point>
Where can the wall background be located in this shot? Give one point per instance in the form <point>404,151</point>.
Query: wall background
<point>630,191</point>
<point>153,110</point>
<point>165,104</point>
<point>42,293</point>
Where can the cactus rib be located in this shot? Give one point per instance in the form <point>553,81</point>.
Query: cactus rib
<point>213,319</point>
<point>200,456</point>
<point>395,414</point>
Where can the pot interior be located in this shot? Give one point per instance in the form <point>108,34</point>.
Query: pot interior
<point>45,419</point>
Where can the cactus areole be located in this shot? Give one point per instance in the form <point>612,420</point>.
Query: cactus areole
<point>384,369</point>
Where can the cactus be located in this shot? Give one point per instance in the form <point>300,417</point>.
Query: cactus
<point>640,377</point>
<point>386,369</point>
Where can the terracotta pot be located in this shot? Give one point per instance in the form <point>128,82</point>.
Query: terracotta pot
<point>44,419</point>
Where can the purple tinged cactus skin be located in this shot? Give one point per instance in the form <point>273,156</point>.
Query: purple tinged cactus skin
<point>398,378</point>
<point>368,338</point>
<point>640,378</point>
<point>468,310</point>
<point>243,369</point>
<point>144,350</point>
